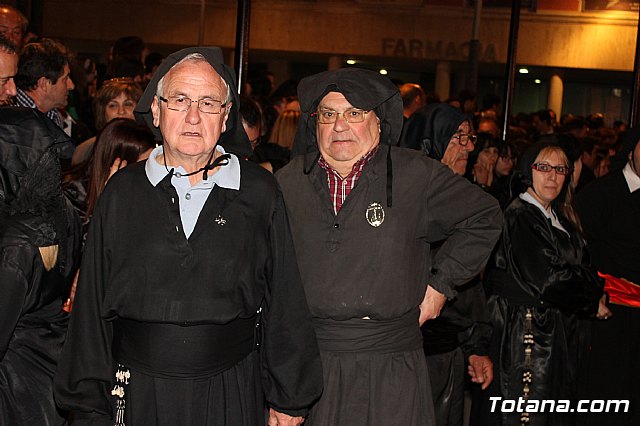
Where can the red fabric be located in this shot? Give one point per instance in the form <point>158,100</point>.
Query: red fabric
<point>339,187</point>
<point>621,291</point>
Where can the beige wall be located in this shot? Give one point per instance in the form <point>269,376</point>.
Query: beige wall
<point>555,39</point>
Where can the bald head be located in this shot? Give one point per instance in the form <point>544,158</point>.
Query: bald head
<point>13,24</point>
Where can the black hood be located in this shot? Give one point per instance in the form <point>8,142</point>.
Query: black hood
<point>25,136</point>
<point>234,139</point>
<point>363,89</point>
<point>430,129</point>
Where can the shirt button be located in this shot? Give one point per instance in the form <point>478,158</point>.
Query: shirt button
<point>188,196</point>
<point>336,225</point>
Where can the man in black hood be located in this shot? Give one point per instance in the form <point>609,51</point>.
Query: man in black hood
<point>189,269</point>
<point>363,214</point>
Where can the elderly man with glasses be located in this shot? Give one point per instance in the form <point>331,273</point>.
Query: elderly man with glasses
<point>190,308</point>
<point>363,215</point>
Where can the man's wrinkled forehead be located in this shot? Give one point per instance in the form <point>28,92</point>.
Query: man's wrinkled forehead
<point>197,69</point>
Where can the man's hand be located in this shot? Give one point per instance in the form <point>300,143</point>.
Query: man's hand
<point>281,419</point>
<point>431,305</point>
<point>481,370</point>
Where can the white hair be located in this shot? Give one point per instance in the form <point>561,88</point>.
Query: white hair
<point>194,58</point>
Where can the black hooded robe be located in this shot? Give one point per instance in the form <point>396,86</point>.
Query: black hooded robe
<point>543,286</point>
<point>164,327</point>
<point>33,215</point>
<point>374,369</point>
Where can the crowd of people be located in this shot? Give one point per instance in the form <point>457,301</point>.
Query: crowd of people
<point>342,250</point>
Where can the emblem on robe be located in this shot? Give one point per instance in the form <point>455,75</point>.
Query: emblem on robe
<point>220,220</point>
<point>375,214</point>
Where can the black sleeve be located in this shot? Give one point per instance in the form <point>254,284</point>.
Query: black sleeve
<point>469,219</point>
<point>292,370</point>
<point>82,383</point>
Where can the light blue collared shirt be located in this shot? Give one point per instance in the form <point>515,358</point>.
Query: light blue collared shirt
<point>191,199</point>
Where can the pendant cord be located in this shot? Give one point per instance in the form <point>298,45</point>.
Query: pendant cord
<point>223,160</point>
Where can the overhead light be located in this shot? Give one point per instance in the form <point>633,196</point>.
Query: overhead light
<point>537,81</point>
<point>523,71</point>
<point>383,71</point>
<point>351,61</point>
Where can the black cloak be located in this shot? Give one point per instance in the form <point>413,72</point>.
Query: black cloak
<point>430,129</point>
<point>363,89</point>
<point>33,215</point>
<point>234,139</point>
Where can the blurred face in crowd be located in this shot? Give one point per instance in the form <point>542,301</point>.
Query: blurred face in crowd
<point>548,185</point>
<point>505,164</point>
<point>253,133</point>
<point>56,93</point>
<point>190,136</point>
<point>8,69</point>
<point>11,26</point>
<point>341,143</point>
<point>457,152</point>
<point>121,106</point>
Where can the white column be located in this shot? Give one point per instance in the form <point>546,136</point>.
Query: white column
<point>555,95</point>
<point>443,79</point>
<point>335,62</point>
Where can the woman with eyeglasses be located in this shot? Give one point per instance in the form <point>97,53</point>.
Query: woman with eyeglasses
<point>543,290</point>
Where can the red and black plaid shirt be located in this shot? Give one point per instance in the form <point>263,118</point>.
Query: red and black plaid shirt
<point>339,187</point>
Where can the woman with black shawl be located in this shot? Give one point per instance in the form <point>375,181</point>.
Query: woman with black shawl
<point>542,288</point>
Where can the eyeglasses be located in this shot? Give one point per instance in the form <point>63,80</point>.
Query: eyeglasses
<point>182,103</point>
<point>546,168</point>
<point>350,115</point>
<point>465,138</point>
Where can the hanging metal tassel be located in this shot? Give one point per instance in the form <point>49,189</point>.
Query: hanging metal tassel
<point>122,382</point>
<point>527,376</point>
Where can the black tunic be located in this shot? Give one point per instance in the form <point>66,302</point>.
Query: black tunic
<point>374,369</point>
<point>542,271</point>
<point>32,325</point>
<point>140,272</point>
<point>610,216</point>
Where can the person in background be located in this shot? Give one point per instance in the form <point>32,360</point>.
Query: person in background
<point>8,70</point>
<point>413,98</point>
<point>276,153</point>
<point>461,334</point>
<point>117,98</point>
<point>39,248</point>
<point>609,209</point>
<point>13,25</point>
<point>44,79</point>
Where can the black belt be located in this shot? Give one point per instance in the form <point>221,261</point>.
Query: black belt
<point>174,351</point>
<point>360,335</point>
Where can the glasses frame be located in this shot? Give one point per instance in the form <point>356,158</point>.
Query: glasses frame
<point>470,137</point>
<point>344,117</point>
<point>536,167</point>
<point>191,101</point>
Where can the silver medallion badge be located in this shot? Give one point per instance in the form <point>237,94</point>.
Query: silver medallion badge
<point>220,220</point>
<point>375,214</point>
